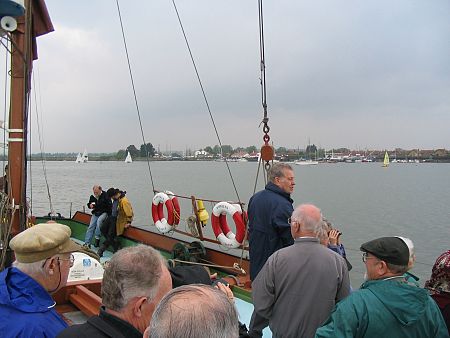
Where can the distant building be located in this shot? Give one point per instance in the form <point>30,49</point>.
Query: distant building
<point>240,154</point>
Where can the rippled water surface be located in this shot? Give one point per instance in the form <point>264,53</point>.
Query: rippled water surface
<point>363,200</point>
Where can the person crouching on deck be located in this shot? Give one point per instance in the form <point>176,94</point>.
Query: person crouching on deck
<point>43,260</point>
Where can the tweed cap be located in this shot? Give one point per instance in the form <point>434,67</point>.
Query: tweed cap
<point>389,249</point>
<point>43,241</point>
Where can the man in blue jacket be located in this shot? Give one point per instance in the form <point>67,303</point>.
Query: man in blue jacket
<point>268,214</point>
<point>43,260</point>
<point>386,305</point>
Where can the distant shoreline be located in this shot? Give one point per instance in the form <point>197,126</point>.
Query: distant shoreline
<point>423,161</point>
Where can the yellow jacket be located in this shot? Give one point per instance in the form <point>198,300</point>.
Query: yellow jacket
<point>124,215</point>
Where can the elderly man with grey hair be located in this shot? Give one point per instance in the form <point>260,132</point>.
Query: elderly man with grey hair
<point>268,213</point>
<point>134,282</point>
<point>194,311</point>
<point>299,285</point>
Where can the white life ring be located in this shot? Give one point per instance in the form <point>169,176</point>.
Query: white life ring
<point>220,226</point>
<point>162,223</point>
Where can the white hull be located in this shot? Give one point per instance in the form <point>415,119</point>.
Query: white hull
<point>306,162</point>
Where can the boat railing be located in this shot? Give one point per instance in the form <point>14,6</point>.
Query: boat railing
<point>59,208</point>
<point>68,210</point>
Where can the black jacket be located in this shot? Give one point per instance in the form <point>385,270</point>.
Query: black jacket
<point>102,204</point>
<point>101,326</point>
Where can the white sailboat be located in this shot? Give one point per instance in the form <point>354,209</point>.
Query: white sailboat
<point>128,158</point>
<point>79,158</point>
<point>85,157</point>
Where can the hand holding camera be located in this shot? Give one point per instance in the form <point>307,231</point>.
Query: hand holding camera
<point>333,236</point>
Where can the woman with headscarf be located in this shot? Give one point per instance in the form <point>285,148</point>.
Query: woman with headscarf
<point>439,285</point>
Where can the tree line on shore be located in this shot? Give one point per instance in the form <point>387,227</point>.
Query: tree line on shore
<point>311,151</point>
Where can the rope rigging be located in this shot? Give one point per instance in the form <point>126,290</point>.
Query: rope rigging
<point>267,152</point>
<point>134,93</point>
<point>206,100</point>
<point>41,148</point>
<point>5,106</point>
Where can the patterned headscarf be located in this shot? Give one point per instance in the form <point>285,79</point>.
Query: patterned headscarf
<point>440,275</point>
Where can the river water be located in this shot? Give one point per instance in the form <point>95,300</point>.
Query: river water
<point>363,200</point>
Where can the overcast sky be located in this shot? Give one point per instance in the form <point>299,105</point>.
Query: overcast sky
<point>357,74</point>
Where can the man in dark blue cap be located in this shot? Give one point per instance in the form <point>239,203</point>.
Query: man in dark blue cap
<point>386,305</point>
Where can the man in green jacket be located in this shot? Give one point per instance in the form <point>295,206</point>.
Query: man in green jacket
<point>386,305</point>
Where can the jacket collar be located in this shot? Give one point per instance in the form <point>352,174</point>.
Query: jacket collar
<point>276,189</point>
<point>306,239</point>
<point>124,327</point>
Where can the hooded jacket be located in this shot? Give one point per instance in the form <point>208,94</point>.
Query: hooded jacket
<point>385,308</point>
<point>269,230</point>
<point>26,308</point>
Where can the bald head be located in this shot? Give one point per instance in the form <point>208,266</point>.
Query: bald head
<point>194,311</point>
<point>306,220</point>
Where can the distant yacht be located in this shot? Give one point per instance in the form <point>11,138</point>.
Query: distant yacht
<point>82,158</point>
<point>79,159</point>
<point>306,162</point>
<point>386,160</point>
<point>85,157</point>
<point>128,158</point>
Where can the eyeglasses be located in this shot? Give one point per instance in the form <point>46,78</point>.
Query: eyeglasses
<point>71,259</point>
<point>365,256</point>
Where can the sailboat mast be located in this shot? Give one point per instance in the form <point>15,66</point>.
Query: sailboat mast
<point>18,117</point>
<point>35,22</point>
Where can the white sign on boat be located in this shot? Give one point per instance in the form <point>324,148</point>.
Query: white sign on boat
<point>85,268</point>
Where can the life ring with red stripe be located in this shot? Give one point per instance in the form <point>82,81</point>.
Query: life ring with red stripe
<point>162,223</point>
<point>220,226</point>
<point>176,207</point>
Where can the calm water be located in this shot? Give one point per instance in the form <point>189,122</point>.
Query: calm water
<point>363,200</point>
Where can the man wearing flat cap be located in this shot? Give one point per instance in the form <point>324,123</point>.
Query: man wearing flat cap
<point>43,260</point>
<point>385,305</point>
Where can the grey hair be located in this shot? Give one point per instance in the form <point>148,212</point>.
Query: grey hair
<point>195,311</point>
<point>131,272</point>
<point>399,269</point>
<point>31,269</point>
<point>277,170</point>
<point>323,232</point>
<point>307,221</point>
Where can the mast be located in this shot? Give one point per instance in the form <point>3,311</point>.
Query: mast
<point>35,22</point>
<point>20,87</point>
